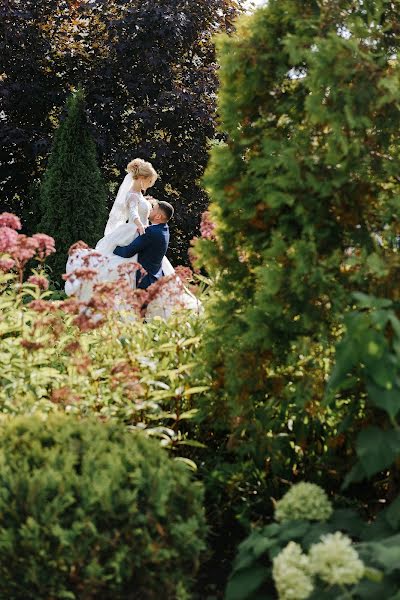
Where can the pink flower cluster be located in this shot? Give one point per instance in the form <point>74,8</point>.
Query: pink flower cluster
<point>6,264</point>
<point>25,248</point>
<point>39,280</point>
<point>10,220</point>
<point>169,288</point>
<point>8,239</point>
<point>45,245</point>
<point>207,227</point>
<point>184,273</point>
<point>83,273</point>
<point>78,246</point>
<point>21,248</point>
<point>42,306</point>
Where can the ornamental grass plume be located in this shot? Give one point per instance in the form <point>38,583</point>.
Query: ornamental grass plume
<point>304,501</point>
<point>290,572</point>
<point>335,561</point>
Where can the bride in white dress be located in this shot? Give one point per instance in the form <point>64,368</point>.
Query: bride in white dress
<point>128,218</point>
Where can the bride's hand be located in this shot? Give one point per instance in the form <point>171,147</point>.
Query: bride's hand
<point>141,229</point>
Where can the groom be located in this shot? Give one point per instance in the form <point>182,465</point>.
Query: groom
<point>152,246</point>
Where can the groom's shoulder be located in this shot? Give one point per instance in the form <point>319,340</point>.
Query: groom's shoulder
<point>159,228</point>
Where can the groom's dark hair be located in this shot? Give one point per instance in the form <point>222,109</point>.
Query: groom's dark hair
<point>166,209</point>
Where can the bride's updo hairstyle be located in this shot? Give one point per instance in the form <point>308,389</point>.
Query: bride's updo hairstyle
<point>141,168</point>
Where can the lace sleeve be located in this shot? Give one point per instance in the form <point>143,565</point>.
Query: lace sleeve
<point>133,205</point>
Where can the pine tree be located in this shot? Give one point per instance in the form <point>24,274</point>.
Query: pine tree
<point>73,196</point>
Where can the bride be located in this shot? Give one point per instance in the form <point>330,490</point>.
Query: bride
<point>128,218</point>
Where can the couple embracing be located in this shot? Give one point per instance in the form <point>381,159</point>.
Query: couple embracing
<point>136,232</point>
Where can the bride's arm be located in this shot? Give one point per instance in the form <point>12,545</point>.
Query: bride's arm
<point>133,203</point>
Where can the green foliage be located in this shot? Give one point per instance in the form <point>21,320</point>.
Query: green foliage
<point>145,375</point>
<point>368,362</point>
<point>305,205</point>
<point>73,197</point>
<point>89,510</point>
<point>377,545</point>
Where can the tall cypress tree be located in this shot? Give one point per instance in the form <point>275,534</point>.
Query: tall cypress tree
<point>73,196</point>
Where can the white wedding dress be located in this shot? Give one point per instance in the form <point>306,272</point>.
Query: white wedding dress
<point>121,230</point>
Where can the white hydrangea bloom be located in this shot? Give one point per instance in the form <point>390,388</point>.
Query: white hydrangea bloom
<point>304,501</point>
<point>290,573</point>
<point>335,561</point>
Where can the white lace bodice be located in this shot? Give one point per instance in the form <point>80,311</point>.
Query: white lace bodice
<point>138,206</point>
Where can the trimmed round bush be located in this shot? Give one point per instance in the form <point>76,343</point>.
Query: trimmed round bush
<point>89,510</point>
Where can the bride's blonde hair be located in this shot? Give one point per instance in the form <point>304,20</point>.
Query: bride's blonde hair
<point>141,168</point>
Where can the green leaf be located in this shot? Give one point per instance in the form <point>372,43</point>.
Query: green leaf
<point>189,414</point>
<point>382,371</point>
<point>377,265</point>
<point>387,554</point>
<point>347,520</point>
<point>392,514</point>
<point>373,574</point>
<point>388,400</point>
<point>186,461</point>
<point>195,390</point>
<point>192,443</point>
<point>159,384</point>
<point>190,341</point>
<point>262,545</point>
<point>246,582</point>
<point>203,279</point>
<point>293,530</point>
<point>357,473</point>
<point>395,323</point>
<point>347,356</point>
<point>377,449</point>
<point>365,301</point>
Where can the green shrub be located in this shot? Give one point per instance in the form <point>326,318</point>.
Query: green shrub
<point>305,210</point>
<point>89,510</point>
<point>319,558</point>
<point>141,374</point>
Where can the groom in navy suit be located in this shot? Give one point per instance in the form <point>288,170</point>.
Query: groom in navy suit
<point>152,246</point>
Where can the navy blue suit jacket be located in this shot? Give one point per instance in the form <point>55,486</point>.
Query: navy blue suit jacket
<point>151,248</point>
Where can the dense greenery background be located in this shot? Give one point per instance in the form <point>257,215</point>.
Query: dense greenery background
<point>292,372</point>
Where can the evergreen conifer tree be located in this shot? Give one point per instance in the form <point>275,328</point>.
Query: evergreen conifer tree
<point>73,197</point>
